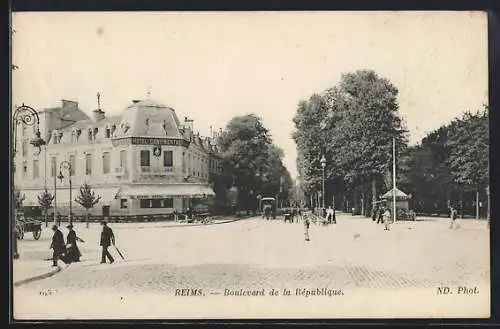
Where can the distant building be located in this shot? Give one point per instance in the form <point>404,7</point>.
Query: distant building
<point>141,162</point>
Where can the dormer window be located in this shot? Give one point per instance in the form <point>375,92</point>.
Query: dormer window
<point>56,137</point>
<point>125,127</point>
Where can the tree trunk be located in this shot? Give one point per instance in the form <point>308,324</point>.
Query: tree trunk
<point>374,190</point>
<point>477,203</point>
<point>87,218</point>
<point>461,205</point>
<point>46,219</point>
<point>363,203</point>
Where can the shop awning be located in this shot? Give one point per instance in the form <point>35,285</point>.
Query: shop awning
<point>167,191</point>
<point>107,194</point>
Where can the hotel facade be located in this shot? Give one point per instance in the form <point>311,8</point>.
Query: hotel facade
<point>141,162</point>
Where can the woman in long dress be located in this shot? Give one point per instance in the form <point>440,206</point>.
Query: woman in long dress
<point>73,252</point>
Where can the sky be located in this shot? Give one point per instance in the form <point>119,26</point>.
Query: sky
<point>212,66</point>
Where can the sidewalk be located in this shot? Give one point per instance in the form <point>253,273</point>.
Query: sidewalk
<point>28,271</point>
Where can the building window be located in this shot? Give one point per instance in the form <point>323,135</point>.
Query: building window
<point>53,166</point>
<point>123,204</point>
<point>72,163</point>
<point>88,164</point>
<point>145,203</point>
<point>157,203</point>
<point>89,134</point>
<point>35,168</point>
<point>107,132</point>
<point>105,162</point>
<point>144,158</point>
<point>168,159</point>
<point>73,136</point>
<point>123,159</point>
<point>56,138</point>
<point>168,203</point>
<point>25,168</point>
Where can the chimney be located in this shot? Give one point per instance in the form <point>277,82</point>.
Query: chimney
<point>188,124</point>
<point>98,115</point>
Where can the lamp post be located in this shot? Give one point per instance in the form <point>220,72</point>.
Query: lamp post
<point>67,165</point>
<point>26,116</point>
<point>323,165</point>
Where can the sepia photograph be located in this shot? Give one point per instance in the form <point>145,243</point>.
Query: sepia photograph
<point>250,165</point>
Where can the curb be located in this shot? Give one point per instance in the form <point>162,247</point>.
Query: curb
<point>200,224</point>
<point>38,277</point>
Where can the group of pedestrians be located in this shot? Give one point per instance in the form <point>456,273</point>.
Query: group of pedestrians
<point>68,250</point>
<point>382,215</point>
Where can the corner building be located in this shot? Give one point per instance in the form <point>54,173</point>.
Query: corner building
<point>142,162</point>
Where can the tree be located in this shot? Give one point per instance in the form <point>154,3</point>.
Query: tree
<point>45,200</point>
<point>448,164</point>
<point>255,163</point>
<point>221,182</point>
<point>353,125</point>
<point>468,142</point>
<point>87,200</point>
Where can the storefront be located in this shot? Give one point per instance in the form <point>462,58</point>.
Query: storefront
<point>163,199</point>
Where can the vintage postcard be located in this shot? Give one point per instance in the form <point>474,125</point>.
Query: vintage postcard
<point>245,165</point>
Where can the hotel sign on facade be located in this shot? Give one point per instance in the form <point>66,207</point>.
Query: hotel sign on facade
<point>150,141</point>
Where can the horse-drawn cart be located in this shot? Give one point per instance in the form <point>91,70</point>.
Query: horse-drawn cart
<point>28,225</point>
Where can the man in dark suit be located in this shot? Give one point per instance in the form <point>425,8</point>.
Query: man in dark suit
<point>107,239</point>
<point>58,246</point>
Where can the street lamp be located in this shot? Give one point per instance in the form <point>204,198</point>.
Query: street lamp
<point>26,116</point>
<point>67,165</point>
<point>323,165</point>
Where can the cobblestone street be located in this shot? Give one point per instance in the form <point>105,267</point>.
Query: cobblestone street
<point>356,255</point>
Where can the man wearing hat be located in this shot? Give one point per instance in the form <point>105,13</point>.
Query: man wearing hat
<point>57,245</point>
<point>73,251</point>
<point>107,239</point>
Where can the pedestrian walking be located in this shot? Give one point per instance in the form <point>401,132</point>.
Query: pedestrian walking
<point>73,253</point>
<point>387,218</point>
<point>380,215</point>
<point>453,217</point>
<point>107,239</point>
<point>374,212</point>
<point>307,223</point>
<point>58,247</point>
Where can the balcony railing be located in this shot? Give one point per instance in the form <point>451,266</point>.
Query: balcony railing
<point>156,170</point>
